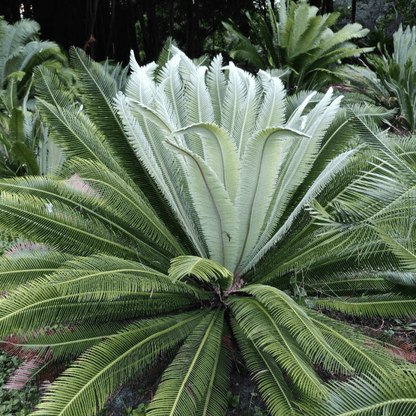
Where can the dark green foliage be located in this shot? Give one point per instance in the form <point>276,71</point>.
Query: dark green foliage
<point>297,42</point>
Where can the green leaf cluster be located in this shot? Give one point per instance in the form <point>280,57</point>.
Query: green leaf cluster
<point>189,208</point>
<point>297,43</point>
<point>391,82</point>
<point>24,144</point>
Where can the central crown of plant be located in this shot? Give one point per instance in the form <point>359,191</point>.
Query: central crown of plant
<point>223,152</point>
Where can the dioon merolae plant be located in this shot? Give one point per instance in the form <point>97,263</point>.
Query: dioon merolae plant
<point>205,200</point>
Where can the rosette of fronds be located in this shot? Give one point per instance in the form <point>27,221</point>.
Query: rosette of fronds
<point>298,42</point>
<point>200,198</point>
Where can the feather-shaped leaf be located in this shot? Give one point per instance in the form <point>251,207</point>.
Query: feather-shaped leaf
<point>261,328</point>
<point>220,154</point>
<point>203,269</point>
<point>186,381</point>
<point>268,375</point>
<point>94,376</point>
<point>220,217</point>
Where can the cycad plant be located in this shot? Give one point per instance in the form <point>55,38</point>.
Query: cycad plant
<point>392,82</point>
<point>299,42</point>
<point>21,51</point>
<point>198,217</point>
<point>24,144</point>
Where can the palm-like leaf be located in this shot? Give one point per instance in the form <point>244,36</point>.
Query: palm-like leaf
<point>298,40</point>
<point>391,82</point>
<point>369,396</point>
<point>239,196</point>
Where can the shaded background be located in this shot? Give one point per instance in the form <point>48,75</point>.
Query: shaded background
<point>121,25</point>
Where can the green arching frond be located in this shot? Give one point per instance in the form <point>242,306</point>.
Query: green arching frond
<point>94,376</point>
<point>203,269</point>
<point>123,200</point>
<point>17,269</point>
<point>370,396</point>
<point>260,327</point>
<point>98,89</point>
<point>365,354</point>
<point>218,214</point>
<point>186,381</point>
<point>83,274</point>
<point>216,399</point>
<point>77,135</point>
<point>330,283</point>
<point>385,305</point>
<point>268,375</point>
<point>295,319</point>
<point>396,229</point>
<point>220,153</point>
<point>66,341</point>
<point>109,199</point>
<point>261,165</point>
<point>30,307</point>
<point>58,220</point>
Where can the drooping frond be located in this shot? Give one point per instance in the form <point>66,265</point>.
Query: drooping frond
<point>330,283</point>
<point>370,396</point>
<point>365,354</point>
<point>262,329</point>
<point>188,379</point>
<point>385,305</point>
<point>93,377</point>
<point>295,319</point>
<point>20,268</point>
<point>79,298</point>
<point>103,195</point>
<point>60,226</point>
<point>268,375</point>
<point>64,342</point>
